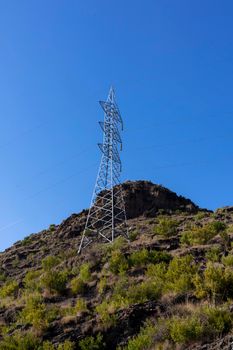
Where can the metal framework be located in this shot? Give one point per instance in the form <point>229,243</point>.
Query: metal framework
<point>107,217</point>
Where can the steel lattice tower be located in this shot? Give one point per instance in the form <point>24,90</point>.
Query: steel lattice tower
<point>107,217</point>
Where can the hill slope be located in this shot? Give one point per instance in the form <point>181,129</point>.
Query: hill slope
<point>169,288</point>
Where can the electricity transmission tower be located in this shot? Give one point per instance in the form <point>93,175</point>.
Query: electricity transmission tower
<point>107,217</point>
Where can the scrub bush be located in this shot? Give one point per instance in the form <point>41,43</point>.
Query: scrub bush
<point>215,283</point>
<point>180,273</point>
<point>91,343</point>
<point>117,262</point>
<point>9,289</point>
<point>50,262</point>
<point>166,227</point>
<point>79,282</point>
<point>186,329</point>
<point>227,260</point>
<point>54,281</point>
<point>20,341</point>
<point>85,273</point>
<point>77,286</point>
<point>143,257</point>
<point>36,314</point>
<point>203,234</point>
<point>31,280</point>
<point>213,254</point>
<point>144,340</point>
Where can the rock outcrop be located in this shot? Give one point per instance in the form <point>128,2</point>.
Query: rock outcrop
<point>146,198</point>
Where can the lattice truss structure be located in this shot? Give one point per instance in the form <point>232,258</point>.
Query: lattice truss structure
<point>107,217</point>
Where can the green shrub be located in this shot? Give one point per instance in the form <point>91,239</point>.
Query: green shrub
<point>218,320</point>
<point>207,322</point>
<point>50,262</point>
<point>203,234</point>
<point>156,257</point>
<point>217,226</point>
<point>157,272</point>
<point>166,227</point>
<point>81,305</point>
<point>227,260</point>
<point>54,281</point>
<point>9,289</point>
<point>36,314</point>
<point>117,262</point>
<point>216,282</point>
<point>47,345</point>
<point>85,273</point>
<point>142,292</point>
<point>180,273</point>
<point>143,257</point>
<point>67,345</point>
<point>91,343</point>
<point>106,311</point>
<point>200,215</point>
<point>133,235</point>
<point>31,280</point>
<point>118,244</point>
<point>125,294</point>
<point>52,228</point>
<point>186,329</point>
<point>27,240</point>
<point>20,341</point>
<point>102,285</point>
<point>213,254</point>
<point>77,285</point>
<point>120,288</point>
<point>200,290</point>
<point>139,258</point>
<point>177,276</point>
<point>144,340</point>
<point>226,239</point>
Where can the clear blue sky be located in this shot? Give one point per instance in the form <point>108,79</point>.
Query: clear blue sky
<point>171,63</point>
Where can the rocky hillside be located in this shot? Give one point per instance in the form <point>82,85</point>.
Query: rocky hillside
<point>170,287</point>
